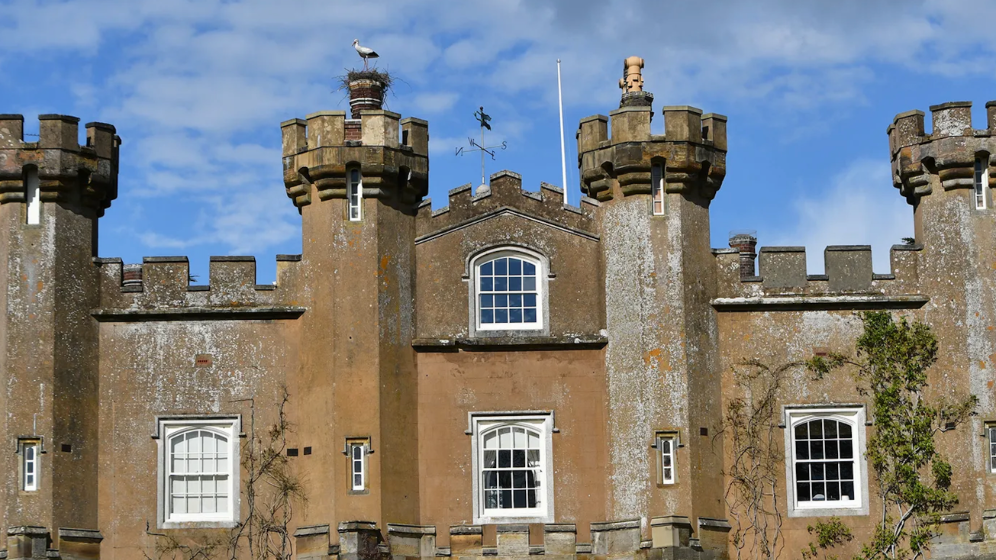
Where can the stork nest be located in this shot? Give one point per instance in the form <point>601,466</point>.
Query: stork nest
<point>382,77</point>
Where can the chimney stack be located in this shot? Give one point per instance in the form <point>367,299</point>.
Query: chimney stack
<point>746,243</point>
<point>631,85</point>
<point>366,91</point>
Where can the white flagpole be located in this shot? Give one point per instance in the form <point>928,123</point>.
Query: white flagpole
<point>563,156</point>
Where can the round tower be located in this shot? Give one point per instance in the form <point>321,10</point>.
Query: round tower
<point>659,268</point>
<point>52,191</point>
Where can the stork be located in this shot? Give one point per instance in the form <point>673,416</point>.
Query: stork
<point>364,52</point>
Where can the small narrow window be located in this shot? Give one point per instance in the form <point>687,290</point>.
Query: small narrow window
<point>31,196</point>
<point>354,193</point>
<point>357,465</point>
<point>29,468</point>
<point>981,178</point>
<point>666,445</point>
<point>992,448</point>
<point>657,189</point>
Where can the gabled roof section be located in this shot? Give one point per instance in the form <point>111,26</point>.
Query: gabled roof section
<point>504,196</point>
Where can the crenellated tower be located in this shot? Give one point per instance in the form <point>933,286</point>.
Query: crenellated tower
<point>51,194</point>
<point>661,364</point>
<point>947,176</point>
<point>357,183</point>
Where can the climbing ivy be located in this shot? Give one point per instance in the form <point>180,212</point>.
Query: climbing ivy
<point>891,362</point>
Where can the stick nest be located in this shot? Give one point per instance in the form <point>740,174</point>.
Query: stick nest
<point>383,77</point>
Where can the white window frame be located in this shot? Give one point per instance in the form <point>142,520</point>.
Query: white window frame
<point>667,446</point>
<point>354,194</point>
<point>540,422</point>
<point>541,286</point>
<point>991,440</point>
<point>854,415</point>
<point>34,462</point>
<point>357,466</point>
<point>167,428</point>
<point>657,194</point>
<point>980,181</point>
<point>32,186</point>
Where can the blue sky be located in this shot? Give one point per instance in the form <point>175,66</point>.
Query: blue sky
<point>197,89</point>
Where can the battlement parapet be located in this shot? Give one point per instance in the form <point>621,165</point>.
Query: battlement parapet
<point>160,288</point>
<point>847,283</point>
<point>948,153</point>
<point>67,171</point>
<point>691,153</point>
<point>391,153</point>
<point>363,540</point>
<point>504,194</point>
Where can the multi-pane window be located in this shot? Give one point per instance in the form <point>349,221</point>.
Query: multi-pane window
<point>199,471</point>
<point>992,448</point>
<point>198,474</point>
<point>825,464</point>
<point>29,466</point>
<point>657,189</point>
<point>824,461</point>
<point>981,180</point>
<point>357,466</point>
<point>666,446</point>
<point>354,194</point>
<point>510,461</point>
<point>508,292</point>
<point>512,470</point>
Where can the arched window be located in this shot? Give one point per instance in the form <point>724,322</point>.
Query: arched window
<point>508,291</point>
<point>826,458</point>
<point>512,468</point>
<point>510,473</point>
<point>354,195</point>
<point>199,468</point>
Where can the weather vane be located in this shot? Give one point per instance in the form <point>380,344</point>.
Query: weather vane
<point>485,120</point>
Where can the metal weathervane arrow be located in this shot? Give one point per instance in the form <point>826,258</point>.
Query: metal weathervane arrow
<point>485,121</point>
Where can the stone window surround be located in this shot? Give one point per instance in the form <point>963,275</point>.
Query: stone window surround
<point>366,449</point>
<point>674,437</point>
<point>39,449</point>
<point>351,189</point>
<point>229,423</point>
<point>543,277</point>
<point>853,414</point>
<point>542,421</point>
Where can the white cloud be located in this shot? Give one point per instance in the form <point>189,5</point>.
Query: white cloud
<point>858,207</point>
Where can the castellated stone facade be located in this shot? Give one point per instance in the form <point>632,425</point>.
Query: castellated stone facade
<point>503,376</point>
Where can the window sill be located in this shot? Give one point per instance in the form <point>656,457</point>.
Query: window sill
<point>842,511</point>
<point>199,524</point>
<point>560,342</point>
<point>503,520</point>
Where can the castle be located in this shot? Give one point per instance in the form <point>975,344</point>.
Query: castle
<point>503,376</point>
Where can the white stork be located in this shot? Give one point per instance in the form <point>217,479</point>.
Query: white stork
<point>364,52</point>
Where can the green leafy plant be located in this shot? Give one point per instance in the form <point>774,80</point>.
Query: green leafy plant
<point>914,480</point>
<point>829,534</point>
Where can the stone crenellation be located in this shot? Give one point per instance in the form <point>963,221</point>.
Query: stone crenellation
<point>847,272</point>
<point>161,286</point>
<point>317,154</point>
<point>68,172</point>
<point>504,193</point>
<point>692,151</point>
<point>948,153</point>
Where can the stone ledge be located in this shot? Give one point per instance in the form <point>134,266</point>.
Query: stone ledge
<point>482,343</point>
<point>830,302</point>
<point>310,530</point>
<point>197,314</point>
